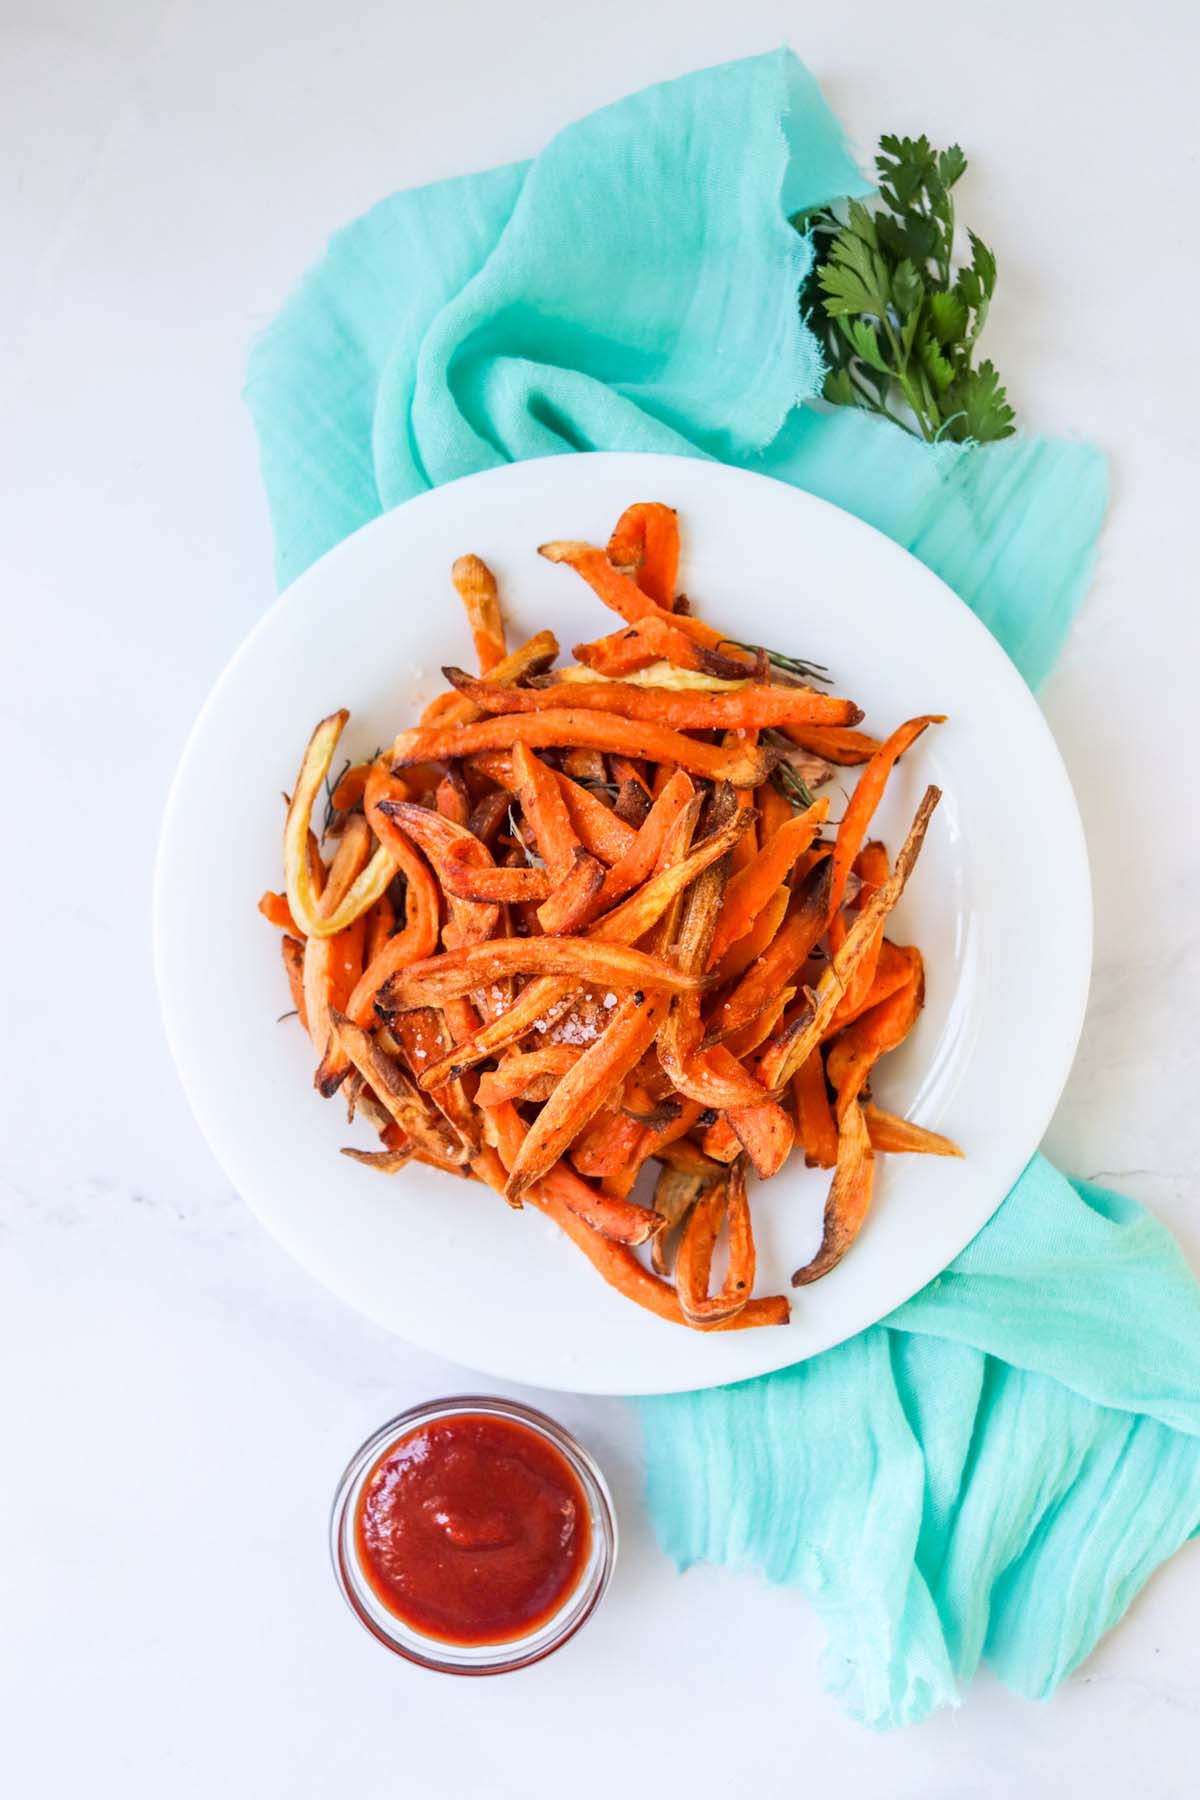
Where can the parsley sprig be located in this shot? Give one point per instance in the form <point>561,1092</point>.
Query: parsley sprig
<point>898,321</point>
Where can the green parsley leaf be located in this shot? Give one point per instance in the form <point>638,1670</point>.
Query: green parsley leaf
<point>897,319</point>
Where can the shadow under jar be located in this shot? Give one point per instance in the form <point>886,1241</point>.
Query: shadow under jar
<point>473,1535</point>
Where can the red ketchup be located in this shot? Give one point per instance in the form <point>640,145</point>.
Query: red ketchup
<point>473,1529</point>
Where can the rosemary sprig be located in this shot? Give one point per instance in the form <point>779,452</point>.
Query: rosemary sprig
<point>791,665</point>
<point>793,787</point>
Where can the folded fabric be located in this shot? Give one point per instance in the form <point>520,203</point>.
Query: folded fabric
<point>997,1468</point>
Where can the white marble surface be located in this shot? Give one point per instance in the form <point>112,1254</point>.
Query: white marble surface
<point>177,1397</point>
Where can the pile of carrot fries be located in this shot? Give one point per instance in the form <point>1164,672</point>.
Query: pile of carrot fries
<point>583,922</point>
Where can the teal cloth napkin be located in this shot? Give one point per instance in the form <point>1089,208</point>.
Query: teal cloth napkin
<point>997,1468</point>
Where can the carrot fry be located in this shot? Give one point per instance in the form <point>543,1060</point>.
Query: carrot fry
<point>754,707</point>
<point>406,1105</point>
<point>529,659</point>
<point>618,1266</point>
<point>573,726</point>
<point>849,1197</point>
<point>436,836</point>
<point>766,1133</point>
<point>693,1263</point>
<point>583,1091</point>
<point>645,540</point>
<point>519,1071</point>
<point>572,901</point>
<point>866,797</point>
<point>892,971</point>
<point>452,799</point>
<point>750,890</point>
<point>854,1054</point>
<point>871,867</point>
<point>746,950</point>
<point>545,812</point>
<point>786,1053</point>
<point>618,1220</point>
<point>332,968</point>
<point>349,791</point>
<point>350,859</point>
<point>815,1124</point>
<point>596,825</point>
<point>381,922</point>
<point>674,1195</point>
<point>655,639</point>
<point>476,586</point>
<point>439,978</point>
<point>634,867</point>
<point>293,962</point>
<point>786,955</point>
<point>606,1145</point>
<point>887,1132</point>
<point>276,911</point>
<point>467,877</point>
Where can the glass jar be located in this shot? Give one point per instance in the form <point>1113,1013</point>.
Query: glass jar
<point>578,1602</point>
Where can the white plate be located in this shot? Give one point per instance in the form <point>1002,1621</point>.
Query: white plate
<point>1000,905</point>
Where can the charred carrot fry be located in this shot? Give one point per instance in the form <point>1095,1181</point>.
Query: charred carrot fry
<point>626,769</point>
<point>409,1108</point>
<point>866,797</point>
<point>849,1197</point>
<point>834,743</point>
<point>766,1133</point>
<point>582,1092</point>
<point>815,1124</point>
<point>750,890</point>
<point>892,970</point>
<point>618,1220</point>
<point>476,588</point>
<point>584,765</point>
<point>887,1132</point>
<point>645,540</point>
<point>572,901</point>
<point>748,1037</point>
<point>752,707</point>
<point>744,767</point>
